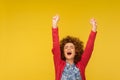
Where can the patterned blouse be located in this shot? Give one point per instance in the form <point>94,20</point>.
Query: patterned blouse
<point>71,72</point>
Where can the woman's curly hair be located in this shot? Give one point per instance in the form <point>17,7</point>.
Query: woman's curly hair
<point>78,47</point>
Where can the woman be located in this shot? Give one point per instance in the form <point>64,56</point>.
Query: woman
<point>70,59</point>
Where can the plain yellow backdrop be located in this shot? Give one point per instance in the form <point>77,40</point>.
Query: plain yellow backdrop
<point>26,41</point>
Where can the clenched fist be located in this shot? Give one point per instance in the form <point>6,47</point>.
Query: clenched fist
<point>94,24</point>
<point>55,21</point>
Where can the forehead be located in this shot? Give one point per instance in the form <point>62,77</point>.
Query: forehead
<point>69,44</point>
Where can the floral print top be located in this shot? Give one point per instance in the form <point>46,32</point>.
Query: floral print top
<point>71,72</point>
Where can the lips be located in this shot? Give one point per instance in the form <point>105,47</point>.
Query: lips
<point>69,53</point>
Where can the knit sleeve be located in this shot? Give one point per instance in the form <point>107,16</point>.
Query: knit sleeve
<point>88,49</point>
<point>56,47</point>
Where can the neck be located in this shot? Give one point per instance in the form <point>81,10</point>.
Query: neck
<point>70,61</point>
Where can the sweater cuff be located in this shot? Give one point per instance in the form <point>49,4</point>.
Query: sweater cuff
<point>93,33</point>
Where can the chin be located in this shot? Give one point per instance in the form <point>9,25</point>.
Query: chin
<point>69,58</point>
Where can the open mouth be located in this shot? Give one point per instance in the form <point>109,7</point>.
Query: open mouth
<point>69,53</point>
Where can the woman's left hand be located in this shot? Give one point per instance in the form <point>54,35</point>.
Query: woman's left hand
<point>94,24</point>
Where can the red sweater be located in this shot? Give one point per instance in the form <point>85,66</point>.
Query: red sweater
<point>60,64</point>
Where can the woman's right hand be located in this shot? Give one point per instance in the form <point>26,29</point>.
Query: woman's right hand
<point>55,21</point>
<point>94,24</point>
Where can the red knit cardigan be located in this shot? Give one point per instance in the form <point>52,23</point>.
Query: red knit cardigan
<point>60,64</point>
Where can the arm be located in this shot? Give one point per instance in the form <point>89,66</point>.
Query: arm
<point>90,44</point>
<point>56,45</point>
<point>55,33</point>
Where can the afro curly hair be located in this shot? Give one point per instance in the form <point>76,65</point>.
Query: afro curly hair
<point>78,47</point>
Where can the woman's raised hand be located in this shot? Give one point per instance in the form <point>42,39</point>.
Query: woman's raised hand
<point>55,21</point>
<point>94,24</point>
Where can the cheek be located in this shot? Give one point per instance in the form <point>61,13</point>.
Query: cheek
<point>64,50</point>
<point>73,50</point>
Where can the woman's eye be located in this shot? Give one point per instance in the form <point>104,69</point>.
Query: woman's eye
<point>66,47</point>
<point>71,47</point>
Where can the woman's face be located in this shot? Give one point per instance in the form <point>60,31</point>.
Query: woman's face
<point>69,51</point>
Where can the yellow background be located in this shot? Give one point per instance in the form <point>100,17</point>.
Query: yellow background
<point>26,41</point>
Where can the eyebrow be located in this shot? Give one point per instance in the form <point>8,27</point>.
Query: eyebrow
<point>70,46</point>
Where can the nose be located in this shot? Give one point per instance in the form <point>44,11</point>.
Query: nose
<point>69,48</point>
